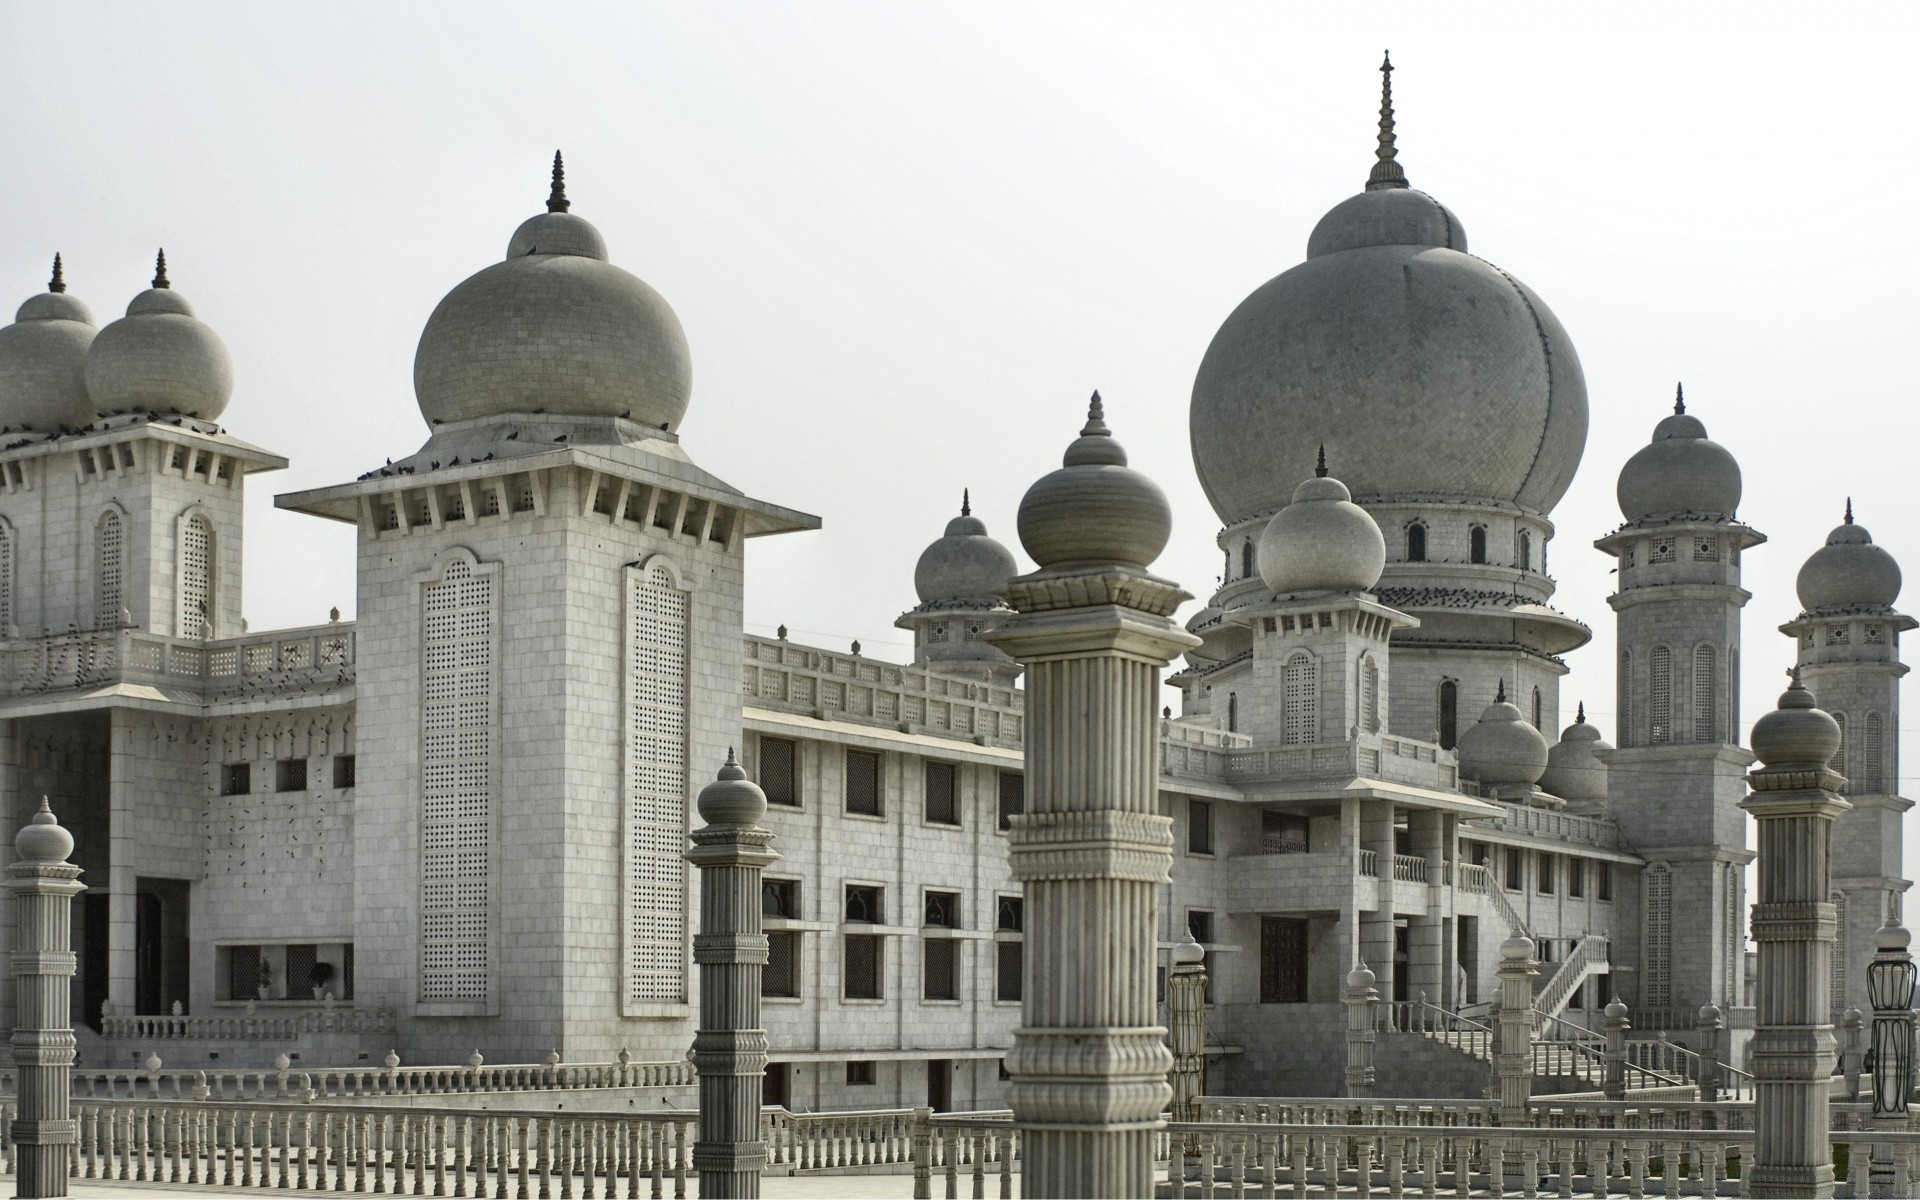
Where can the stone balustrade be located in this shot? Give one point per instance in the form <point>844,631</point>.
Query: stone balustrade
<point>835,1140</point>
<point>1598,832</point>
<point>252,1026</point>
<point>322,1084</point>
<point>784,674</point>
<point>279,660</point>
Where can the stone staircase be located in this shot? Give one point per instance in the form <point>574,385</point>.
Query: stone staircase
<point>1589,958</point>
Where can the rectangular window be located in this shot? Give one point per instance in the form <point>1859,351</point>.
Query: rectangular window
<point>290,775</point>
<point>301,961</point>
<point>236,779</point>
<point>778,777</point>
<point>1477,853</point>
<point>943,910</point>
<point>864,904</point>
<point>782,975</point>
<point>1008,971</point>
<point>780,898</point>
<point>1283,961</point>
<point>1516,872</point>
<point>863,783</point>
<point>1013,797</point>
<point>1603,881</point>
<point>1199,827</point>
<point>1576,877</point>
<point>1283,833</point>
<point>941,978</point>
<point>343,770</point>
<point>1545,882</point>
<point>1012,917</point>
<point>943,800</point>
<point>1200,925</point>
<point>860,1072</point>
<point>243,972</point>
<point>864,955</point>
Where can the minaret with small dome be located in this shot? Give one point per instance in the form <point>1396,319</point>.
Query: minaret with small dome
<point>1847,651</point>
<point>959,579</point>
<point>1677,776</point>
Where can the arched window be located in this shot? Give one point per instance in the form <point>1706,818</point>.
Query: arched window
<point>1656,978</point>
<point>1246,559</point>
<point>1660,701</point>
<point>106,571</point>
<point>1477,544</point>
<point>1369,715</point>
<point>1733,693</point>
<point>1839,760</point>
<point>1538,709</point>
<point>1449,712</point>
<point>1706,693</point>
<point>1624,689</point>
<point>1233,712</point>
<point>196,578</point>
<point>6,578</point>
<point>1300,692</point>
<point>1525,550</point>
<point>1416,542</point>
<point>1872,774</point>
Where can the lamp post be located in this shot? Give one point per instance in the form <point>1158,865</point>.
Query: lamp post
<point>1890,982</point>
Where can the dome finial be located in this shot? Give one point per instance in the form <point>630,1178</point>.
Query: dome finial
<point>1386,174</point>
<point>59,281</point>
<point>966,502</point>
<point>1849,519</point>
<point>1500,693</point>
<point>1679,400</point>
<point>557,199</point>
<point>160,270</point>
<point>1320,468</point>
<point>1580,714</point>
<point>1096,418</point>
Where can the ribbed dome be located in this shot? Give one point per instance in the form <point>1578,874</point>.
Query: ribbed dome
<point>1681,471</point>
<point>555,328</point>
<point>1574,771</point>
<point>1095,510</point>
<point>1456,376</point>
<point>159,358</point>
<point>1797,735</point>
<point>1322,542</point>
<point>964,564</point>
<point>1502,750</point>
<point>43,361</point>
<point>1849,572</point>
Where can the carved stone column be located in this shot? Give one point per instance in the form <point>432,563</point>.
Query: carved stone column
<point>1890,986</point>
<point>1710,1024</point>
<point>1093,630</point>
<point>1613,1079</point>
<point>1363,1023</point>
<point>1187,1013</point>
<point>1513,1064</point>
<point>1794,801</point>
<point>730,1047</point>
<point>44,884</point>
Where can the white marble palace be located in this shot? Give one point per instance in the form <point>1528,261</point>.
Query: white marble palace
<point>458,820</point>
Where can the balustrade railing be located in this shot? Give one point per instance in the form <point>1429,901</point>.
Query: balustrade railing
<point>829,1140</point>
<point>342,1083</point>
<point>249,1026</point>
<point>1370,864</point>
<point>865,689</point>
<point>278,658</point>
<point>1409,868</point>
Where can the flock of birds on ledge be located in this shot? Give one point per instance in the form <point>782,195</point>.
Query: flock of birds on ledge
<point>140,418</point>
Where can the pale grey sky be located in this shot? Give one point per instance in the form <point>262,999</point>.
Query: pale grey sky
<point>907,240</point>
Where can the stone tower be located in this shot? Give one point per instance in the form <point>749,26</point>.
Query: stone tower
<point>1848,651</point>
<point>1676,778</point>
<point>519,879</point>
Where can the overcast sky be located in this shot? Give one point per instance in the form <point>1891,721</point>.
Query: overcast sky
<point>907,240</point>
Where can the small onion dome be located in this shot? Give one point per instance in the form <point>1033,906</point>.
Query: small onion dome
<point>1616,1010</point>
<point>43,361</point>
<point>1322,542</point>
<point>1680,471</point>
<point>1187,952</point>
<point>1503,750</point>
<point>42,839</point>
<point>1893,938</point>
<point>554,328</point>
<point>159,358</point>
<point>1797,735</point>
<point>732,799</point>
<point>1517,948</point>
<point>1095,510</point>
<point>1361,977</point>
<point>965,564</point>
<point>1849,571</point>
<point>1574,771</point>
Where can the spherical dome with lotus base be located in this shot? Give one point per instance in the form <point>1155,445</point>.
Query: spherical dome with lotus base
<point>43,361</point>
<point>1095,510</point>
<point>1849,572</point>
<point>159,358</point>
<point>1502,750</point>
<point>964,564</point>
<point>1321,542</point>
<point>1681,473</point>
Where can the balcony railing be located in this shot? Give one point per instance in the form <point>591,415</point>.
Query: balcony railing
<point>1409,868</point>
<point>785,674</point>
<point>284,659</point>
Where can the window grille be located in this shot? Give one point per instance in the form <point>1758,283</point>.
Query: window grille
<point>1706,690</point>
<point>1009,970</point>
<point>1662,698</point>
<point>243,972</point>
<point>940,978</point>
<point>1300,693</point>
<point>1013,797</point>
<point>778,777</point>
<point>108,542</point>
<point>343,770</point>
<point>943,801</point>
<point>1872,775</point>
<point>456,767</point>
<point>862,967</point>
<point>1657,970</point>
<point>1626,732</point>
<point>782,974</point>
<point>1733,693</point>
<point>1836,635</point>
<point>1838,966</point>
<point>1477,544</point>
<point>300,963</point>
<point>1416,542</point>
<point>1838,763</point>
<point>1875,635</point>
<point>1706,549</point>
<point>1370,695</point>
<point>236,779</point>
<point>863,782</point>
<point>1626,559</point>
<point>943,910</point>
<point>290,775</point>
<point>6,578</point>
<point>1012,917</point>
<point>1731,943</point>
<point>1662,551</point>
<point>196,578</point>
<point>656,779</point>
<point>1199,827</point>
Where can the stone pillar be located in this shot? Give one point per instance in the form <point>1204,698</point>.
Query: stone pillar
<point>1851,1051</point>
<point>1377,927</point>
<point>1794,801</point>
<point>44,884</point>
<point>123,883</point>
<point>1092,851</point>
<point>1513,1064</point>
<point>1613,1080</point>
<point>1363,1022</point>
<point>1709,1027</point>
<point>1890,986</point>
<point>1187,1013</point>
<point>1426,948</point>
<point>730,1047</point>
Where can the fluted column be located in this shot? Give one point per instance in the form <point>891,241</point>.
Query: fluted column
<point>1187,1013</point>
<point>1710,1023</point>
<point>44,884</point>
<point>1794,802</point>
<point>1363,1021</point>
<point>730,1046</point>
<point>1513,1063</point>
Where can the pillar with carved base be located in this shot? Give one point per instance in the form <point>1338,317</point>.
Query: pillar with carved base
<point>44,884</point>
<point>1187,1014</point>
<point>1613,1079</point>
<point>1092,850</point>
<point>1794,800</point>
<point>730,1047</point>
<point>1363,1004</point>
<point>1710,1023</point>
<point>1513,1064</point>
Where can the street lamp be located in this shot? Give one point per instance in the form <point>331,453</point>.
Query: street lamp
<point>1890,985</point>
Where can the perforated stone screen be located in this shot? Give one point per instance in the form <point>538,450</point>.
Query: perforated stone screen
<point>196,577</point>
<point>656,786</point>
<point>458,687</point>
<point>106,571</point>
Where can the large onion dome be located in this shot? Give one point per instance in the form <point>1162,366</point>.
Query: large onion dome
<point>1095,510</point>
<point>1503,750</point>
<point>159,358</point>
<point>554,328</point>
<point>732,798</point>
<point>1322,542</point>
<point>1797,735</point>
<point>1457,377</point>
<point>965,564</point>
<point>43,361</point>
<point>1574,770</point>
<point>1681,473</point>
<point>1849,572</point>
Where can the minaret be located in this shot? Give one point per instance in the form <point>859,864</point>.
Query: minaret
<point>1676,778</point>
<point>958,580</point>
<point>1848,650</point>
